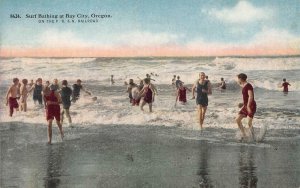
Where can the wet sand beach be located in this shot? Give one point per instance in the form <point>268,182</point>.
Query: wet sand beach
<point>145,156</point>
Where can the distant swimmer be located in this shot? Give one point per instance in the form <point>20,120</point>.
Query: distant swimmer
<point>202,88</point>
<point>66,93</point>
<point>37,91</point>
<point>222,84</point>
<point>181,94</point>
<point>53,111</point>
<point>148,94</point>
<point>249,104</point>
<point>129,89</point>
<point>285,85</point>
<point>24,91</point>
<point>11,96</point>
<point>76,90</point>
<point>112,81</point>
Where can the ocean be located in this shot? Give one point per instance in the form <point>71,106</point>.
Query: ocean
<point>111,115</point>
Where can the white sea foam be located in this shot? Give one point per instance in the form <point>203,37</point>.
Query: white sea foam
<point>112,106</point>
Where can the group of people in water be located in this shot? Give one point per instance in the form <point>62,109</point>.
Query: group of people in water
<point>52,95</point>
<point>49,95</point>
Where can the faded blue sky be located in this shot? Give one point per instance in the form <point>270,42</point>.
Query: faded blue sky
<point>153,22</point>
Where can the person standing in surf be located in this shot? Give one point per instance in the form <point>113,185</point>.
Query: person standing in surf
<point>249,105</point>
<point>37,91</point>
<point>181,94</point>
<point>11,96</point>
<point>285,86</point>
<point>222,85</point>
<point>129,89</point>
<point>23,95</point>
<point>76,90</point>
<point>55,84</point>
<point>148,93</point>
<point>66,94</point>
<point>202,88</point>
<point>52,102</point>
<point>174,81</point>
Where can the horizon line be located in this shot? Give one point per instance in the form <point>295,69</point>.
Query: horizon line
<point>124,57</point>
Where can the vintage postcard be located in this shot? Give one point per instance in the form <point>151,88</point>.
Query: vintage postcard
<point>140,93</point>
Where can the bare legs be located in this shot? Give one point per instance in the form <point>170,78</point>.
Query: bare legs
<point>50,130</point>
<point>201,114</point>
<point>67,112</point>
<point>143,104</point>
<point>240,125</point>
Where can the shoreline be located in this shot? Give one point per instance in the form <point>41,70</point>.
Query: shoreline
<point>144,156</point>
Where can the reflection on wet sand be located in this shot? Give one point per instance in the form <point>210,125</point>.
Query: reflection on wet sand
<point>55,156</point>
<point>247,167</point>
<point>203,172</point>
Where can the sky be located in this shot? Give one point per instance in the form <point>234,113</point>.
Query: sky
<point>151,28</point>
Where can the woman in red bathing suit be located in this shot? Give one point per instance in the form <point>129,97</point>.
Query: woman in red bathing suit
<point>181,93</point>
<point>249,104</point>
<point>52,100</point>
<point>148,93</point>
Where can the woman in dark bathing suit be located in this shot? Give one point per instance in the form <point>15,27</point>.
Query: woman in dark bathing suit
<point>202,88</point>
<point>148,93</point>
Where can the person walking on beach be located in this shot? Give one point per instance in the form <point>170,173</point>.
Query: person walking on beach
<point>285,85</point>
<point>249,105</point>
<point>11,96</point>
<point>181,94</point>
<point>37,91</point>
<point>53,111</point>
<point>148,94</point>
<point>202,88</point>
<point>76,90</point>
<point>66,94</point>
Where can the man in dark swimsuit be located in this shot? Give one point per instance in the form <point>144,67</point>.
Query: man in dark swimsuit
<point>66,94</point>
<point>37,91</point>
<point>76,90</point>
<point>249,104</point>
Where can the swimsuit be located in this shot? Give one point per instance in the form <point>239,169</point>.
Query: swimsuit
<point>37,93</point>
<point>52,110</point>
<point>148,95</point>
<point>285,87</point>
<point>66,94</point>
<point>76,91</point>
<point>244,111</point>
<point>182,95</point>
<point>202,98</point>
<point>12,104</point>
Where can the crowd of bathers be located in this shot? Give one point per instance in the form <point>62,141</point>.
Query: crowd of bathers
<point>48,95</point>
<point>52,95</point>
